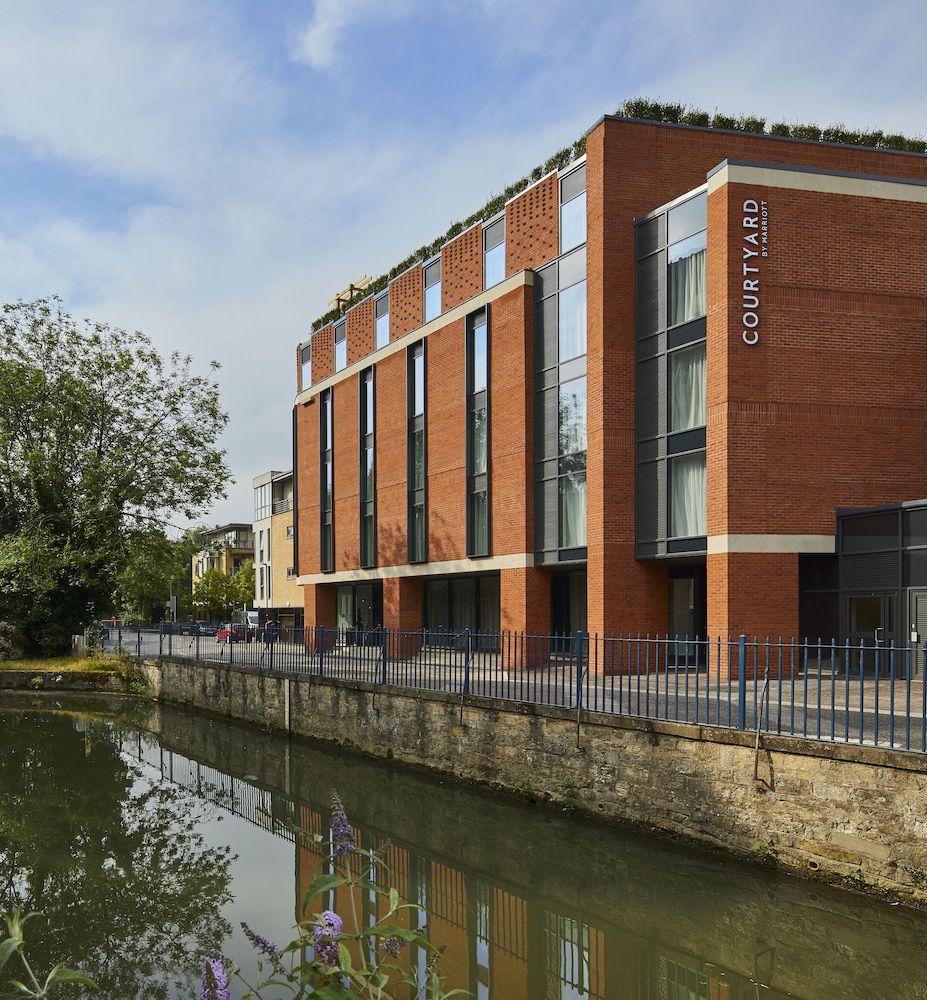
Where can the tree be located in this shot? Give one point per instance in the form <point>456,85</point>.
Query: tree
<point>100,439</point>
<point>218,593</point>
<point>157,568</point>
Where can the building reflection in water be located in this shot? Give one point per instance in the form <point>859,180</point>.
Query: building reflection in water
<point>503,942</point>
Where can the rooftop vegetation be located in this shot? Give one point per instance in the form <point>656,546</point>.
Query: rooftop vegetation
<point>646,110</point>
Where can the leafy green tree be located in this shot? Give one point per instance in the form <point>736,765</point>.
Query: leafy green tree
<point>100,438</point>
<point>218,594</point>
<point>157,568</point>
<point>243,580</point>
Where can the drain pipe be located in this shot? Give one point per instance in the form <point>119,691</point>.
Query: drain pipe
<point>759,717</point>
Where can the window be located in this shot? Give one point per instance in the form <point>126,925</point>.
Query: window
<point>686,388</point>
<point>560,407</point>
<point>341,345</point>
<point>573,209</point>
<point>572,306</point>
<point>432,274</point>
<point>572,464</point>
<point>685,260</point>
<point>688,502</point>
<point>262,501</point>
<point>494,252</point>
<point>305,365</point>
<point>477,434</point>
<point>416,452</point>
<point>671,501</point>
<point>368,539</point>
<point>326,484</point>
<point>381,320</point>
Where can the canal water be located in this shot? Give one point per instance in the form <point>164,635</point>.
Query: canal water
<point>146,834</point>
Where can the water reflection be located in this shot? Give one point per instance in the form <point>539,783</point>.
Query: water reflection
<point>531,904</point>
<point>130,891</point>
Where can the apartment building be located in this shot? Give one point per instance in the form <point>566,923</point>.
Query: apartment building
<point>632,401</point>
<point>276,592</point>
<point>225,548</point>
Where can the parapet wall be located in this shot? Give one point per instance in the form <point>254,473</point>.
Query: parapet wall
<point>854,815</point>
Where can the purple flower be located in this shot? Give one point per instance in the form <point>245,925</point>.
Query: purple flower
<point>392,945</point>
<point>264,946</point>
<point>328,928</point>
<point>215,983</point>
<point>343,839</point>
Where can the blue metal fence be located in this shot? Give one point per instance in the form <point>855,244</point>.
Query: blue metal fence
<point>860,693</point>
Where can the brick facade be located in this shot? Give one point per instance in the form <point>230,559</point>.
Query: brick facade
<point>824,411</point>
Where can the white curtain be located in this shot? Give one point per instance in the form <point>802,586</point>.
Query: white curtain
<point>686,281</point>
<point>688,499</point>
<point>573,510</point>
<point>687,389</point>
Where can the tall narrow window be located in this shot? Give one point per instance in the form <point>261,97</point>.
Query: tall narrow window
<point>572,306</point>
<point>368,538</point>
<point>305,365</point>
<point>687,500</point>
<point>494,253</point>
<point>341,345</point>
<point>326,484</point>
<point>416,453</point>
<point>573,209</point>
<point>478,434</point>
<point>432,273</point>
<point>685,261</point>
<point>572,463</point>
<point>381,311</point>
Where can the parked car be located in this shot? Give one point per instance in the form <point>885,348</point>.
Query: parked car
<point>195,628</point>
<point>235,632</point>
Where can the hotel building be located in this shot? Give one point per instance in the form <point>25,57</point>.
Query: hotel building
<point>649,396</point>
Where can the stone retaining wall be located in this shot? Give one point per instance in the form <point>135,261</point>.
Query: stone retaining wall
<point>855,815</point>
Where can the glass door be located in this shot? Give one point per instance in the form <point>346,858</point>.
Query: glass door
<point>871,621</point>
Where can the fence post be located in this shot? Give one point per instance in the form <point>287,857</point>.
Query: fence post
<point>742,682</point>
<point>466,683</point>
<point>578,660</point>
<point>383,642</point>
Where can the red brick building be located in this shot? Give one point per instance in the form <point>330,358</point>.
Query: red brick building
<point>632,402</point>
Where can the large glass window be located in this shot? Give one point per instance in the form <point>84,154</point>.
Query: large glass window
<point>686,287</point>
<point>367,471</point>
<point>494,253</point>
<point>573,209</point>
<point>685,260</point>
<point>416,453</point>
<point>381,313</point>
<point>305,365</point>
<point>671,409</point>
<point>432,276</point>
<point>687,388</point>
<point>572,306</point>
<point>341,345</point>
<point>687,502</point>
<point>326,484</point>
<point>478,434</point>
<point>572,463</point>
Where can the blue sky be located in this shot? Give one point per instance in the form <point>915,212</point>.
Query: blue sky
<point>212,172</point>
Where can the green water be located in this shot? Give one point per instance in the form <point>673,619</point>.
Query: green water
<point>146,834</point>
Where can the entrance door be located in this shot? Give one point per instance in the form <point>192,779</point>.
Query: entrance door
<point>918,621</point>
<point>871,621</point>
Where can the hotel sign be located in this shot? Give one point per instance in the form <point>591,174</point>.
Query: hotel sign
<point>755,248</point>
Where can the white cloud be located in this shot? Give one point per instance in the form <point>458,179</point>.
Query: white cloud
<point>318,43</point>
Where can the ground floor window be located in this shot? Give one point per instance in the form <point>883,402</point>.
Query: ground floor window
<point>568,602</point>
<point>359,605</point>
<point>452,604</point>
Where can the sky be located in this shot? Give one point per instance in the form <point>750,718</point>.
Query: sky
<point>213,172</point>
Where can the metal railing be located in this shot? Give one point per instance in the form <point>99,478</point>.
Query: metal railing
<point>863,693</point>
